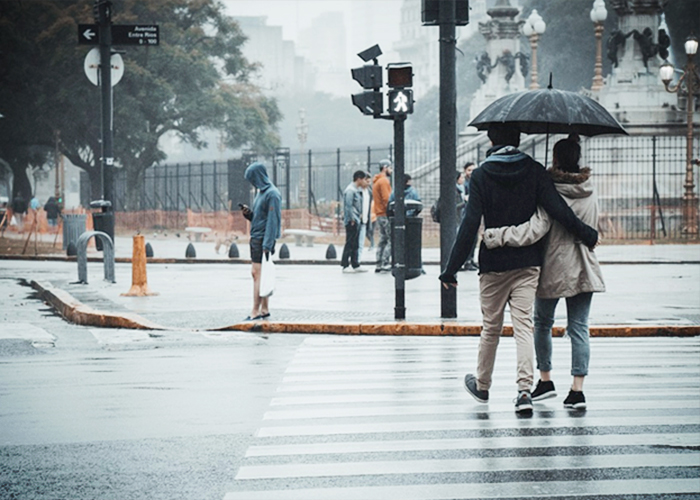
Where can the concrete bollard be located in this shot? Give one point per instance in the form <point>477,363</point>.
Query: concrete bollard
<point>330,252</point>
<point>149,250</point>
<point>284,251</point>
<point>139,281</point>
<point>233,251</point>
<point>190,253</point>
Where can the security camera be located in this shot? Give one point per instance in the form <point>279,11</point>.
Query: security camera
<point>371,53</point>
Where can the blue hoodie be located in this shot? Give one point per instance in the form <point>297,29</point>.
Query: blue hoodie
<point>267,213</point>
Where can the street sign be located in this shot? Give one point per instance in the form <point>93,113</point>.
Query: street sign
<point>92,67</point>
<point>88,34</point>
<point>122,34</point>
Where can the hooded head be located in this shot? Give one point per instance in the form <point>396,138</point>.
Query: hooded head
<point>256,174</point>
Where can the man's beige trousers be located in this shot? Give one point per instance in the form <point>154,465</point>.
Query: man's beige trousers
<point>517,289</point>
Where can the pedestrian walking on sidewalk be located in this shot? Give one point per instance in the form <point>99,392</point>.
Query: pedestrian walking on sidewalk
<point>381,190</point>
<point>352,218</point>
<point>506,190</point>
<point>468,171</point>
<point>53,210</point>
<point>366,220</point>
<point>570,270</point>
<point>19,210</point>
<point>265,227</point>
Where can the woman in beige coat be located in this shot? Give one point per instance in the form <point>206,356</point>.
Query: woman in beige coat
<point>570,270</point>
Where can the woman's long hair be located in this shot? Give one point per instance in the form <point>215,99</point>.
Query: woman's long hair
<point>567,153</point>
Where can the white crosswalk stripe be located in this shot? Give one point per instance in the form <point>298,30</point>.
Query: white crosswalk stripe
<point>387,418</point>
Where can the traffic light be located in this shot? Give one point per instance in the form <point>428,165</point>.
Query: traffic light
<point>370,103</point>
<point>102,11</point>
<point>370,77</point>
<point>430,12</point>
<point>400,97</point>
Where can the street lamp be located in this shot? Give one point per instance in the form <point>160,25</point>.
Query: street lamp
<point>534,26</point>
<point>688,85</point>
<point>598,16</point>
<point>302,134</point>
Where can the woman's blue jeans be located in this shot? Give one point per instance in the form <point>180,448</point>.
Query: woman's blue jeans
<point>577,310</point>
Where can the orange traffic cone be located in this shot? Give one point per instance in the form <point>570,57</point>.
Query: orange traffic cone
<point>139,282</point>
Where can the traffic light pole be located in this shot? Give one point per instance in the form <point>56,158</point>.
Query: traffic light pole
<point>399,242</point>
<point>107,163</point>
<point>448,150</point>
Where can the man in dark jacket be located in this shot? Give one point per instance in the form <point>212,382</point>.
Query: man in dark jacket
<point>506,190</point>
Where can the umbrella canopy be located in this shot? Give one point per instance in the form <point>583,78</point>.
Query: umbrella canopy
<point>549,111</point>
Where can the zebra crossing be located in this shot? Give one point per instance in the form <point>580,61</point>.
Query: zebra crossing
<point>367,418</point>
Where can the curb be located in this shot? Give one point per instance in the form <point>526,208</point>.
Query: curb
<point>300,262</point>
<point>76,312</point>
<point>448,329</point>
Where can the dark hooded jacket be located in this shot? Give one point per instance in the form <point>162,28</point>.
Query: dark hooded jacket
<point>506,190</point>
<point>267,213</point>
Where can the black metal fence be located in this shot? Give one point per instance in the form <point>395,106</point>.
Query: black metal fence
<point>639,180</point>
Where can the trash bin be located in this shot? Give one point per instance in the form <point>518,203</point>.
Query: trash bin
<point>73,227</point>
<point>412,246</point>
<point>102,221</point>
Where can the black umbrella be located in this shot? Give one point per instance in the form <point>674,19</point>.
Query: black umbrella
<point>549,111</point>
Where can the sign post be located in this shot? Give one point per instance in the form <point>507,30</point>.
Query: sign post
<point>109,65</point>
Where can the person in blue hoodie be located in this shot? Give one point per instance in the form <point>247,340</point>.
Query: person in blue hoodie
<point>506,190</point>
<point>265,227</point>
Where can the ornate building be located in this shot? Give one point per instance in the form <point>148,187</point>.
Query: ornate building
<point>633,92</point>
<point>502,67</point>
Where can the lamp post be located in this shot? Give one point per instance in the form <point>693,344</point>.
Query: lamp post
<point>302,134</point>
<point>534,27</point>
<point>687,84</point>
<point>598,16</point>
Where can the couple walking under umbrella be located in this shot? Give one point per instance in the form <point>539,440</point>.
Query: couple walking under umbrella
<point>538,242</point>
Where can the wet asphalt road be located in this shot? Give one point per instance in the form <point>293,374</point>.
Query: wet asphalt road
<point>91,416</point>
<point>89,413</point>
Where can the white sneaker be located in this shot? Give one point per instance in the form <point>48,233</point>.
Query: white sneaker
<point>348,269</point>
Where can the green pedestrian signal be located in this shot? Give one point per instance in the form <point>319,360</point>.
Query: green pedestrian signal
<point>400,102</point>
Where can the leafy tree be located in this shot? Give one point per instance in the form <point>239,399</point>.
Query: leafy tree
<point>196,80</point>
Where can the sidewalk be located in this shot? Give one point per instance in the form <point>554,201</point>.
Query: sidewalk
<point>651,290</point>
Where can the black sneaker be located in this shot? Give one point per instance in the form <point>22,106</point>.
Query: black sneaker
<point>523,403</point>
<point>575,400</point>
<point>544,390</point>
<point>470,386</point>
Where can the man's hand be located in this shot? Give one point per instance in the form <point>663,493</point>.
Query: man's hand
<point>247,212</point>
<point>448,281</point>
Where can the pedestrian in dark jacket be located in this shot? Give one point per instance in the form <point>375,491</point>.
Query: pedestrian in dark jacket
<point>505,191</point>
<point>53,210</point>
<point>352,218</point>
<point>19,209</point>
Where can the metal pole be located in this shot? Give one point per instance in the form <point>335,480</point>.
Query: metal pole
<point>448,154</point>
<point>214,193</point>
<point>308,188</point>
<point>107,181</point>
<point>286,181</point>
<point>399,243</point>
<point>598,68</point>
<point>690,200</point>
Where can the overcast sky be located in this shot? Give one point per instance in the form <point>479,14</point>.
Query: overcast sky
<point>296,15</point>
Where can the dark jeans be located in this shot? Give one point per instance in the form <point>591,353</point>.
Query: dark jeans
<point>352,234</point>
